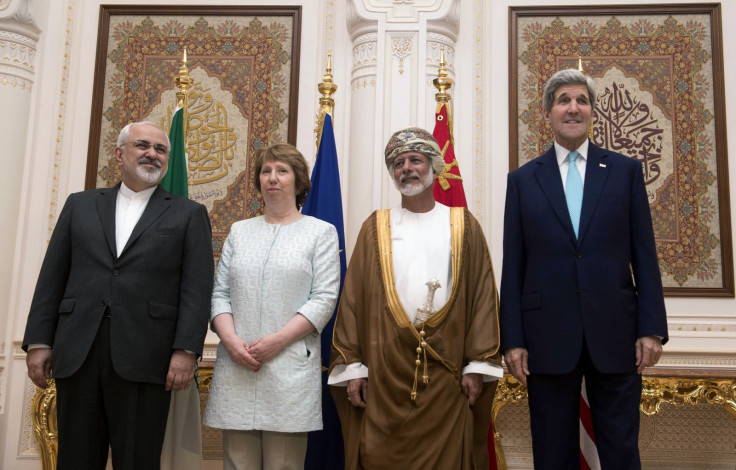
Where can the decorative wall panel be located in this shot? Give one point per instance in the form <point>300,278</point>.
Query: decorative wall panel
<point>244,61</point>
<point>658,73</point>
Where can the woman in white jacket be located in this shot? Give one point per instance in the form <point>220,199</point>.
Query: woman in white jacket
<point>275,289</point>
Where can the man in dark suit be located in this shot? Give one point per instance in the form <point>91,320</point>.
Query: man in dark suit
<point>581,292</point>
<point>120,310</point>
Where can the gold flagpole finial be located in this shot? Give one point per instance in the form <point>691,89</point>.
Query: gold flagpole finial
<point>184,83</point>
<point>326,103</point>
<point>442,82</point>
<point>327,89</point>
<point>580,64</point>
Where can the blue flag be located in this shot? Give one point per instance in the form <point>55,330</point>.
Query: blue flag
<point>325,448</point>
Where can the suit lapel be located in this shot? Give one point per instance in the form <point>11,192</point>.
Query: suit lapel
<point>596,174</point>
<point>159,202</point>
<point>548,176</point>
<point>106,202</point>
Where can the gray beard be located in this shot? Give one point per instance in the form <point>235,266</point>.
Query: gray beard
<point>150,176</point>
<point>414,188</point>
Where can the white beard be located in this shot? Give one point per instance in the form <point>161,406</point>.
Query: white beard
<point>414,188</point>
<point>147,174</point>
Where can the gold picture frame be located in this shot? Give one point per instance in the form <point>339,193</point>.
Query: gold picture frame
<point>659,77</point>
<point>244,61</point>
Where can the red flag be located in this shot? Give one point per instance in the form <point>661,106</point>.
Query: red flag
<point>588,451</point>
<point>448,187</point>
<point>448,190</point>
<point>492,463</point>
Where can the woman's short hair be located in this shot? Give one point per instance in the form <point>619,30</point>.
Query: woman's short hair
<point>285,153</point>
<point>566,77</point>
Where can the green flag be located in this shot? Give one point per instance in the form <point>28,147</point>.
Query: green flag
<point>182,446</point>
<point>175,180</point>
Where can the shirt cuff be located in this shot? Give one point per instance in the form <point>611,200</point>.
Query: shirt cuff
<point>38,346</point>
<point>490,372</point>
<point>343,373</point>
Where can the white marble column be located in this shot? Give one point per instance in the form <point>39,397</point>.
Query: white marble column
<point>18,37</point>
<point>363,106</point>
<point>441,33</point>
<point>395,43</point>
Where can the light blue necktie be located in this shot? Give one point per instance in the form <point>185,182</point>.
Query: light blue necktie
<point>574,191</point>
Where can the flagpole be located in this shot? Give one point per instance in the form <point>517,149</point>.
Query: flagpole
<point>324,201</point>
<point>184,83</point>
<point>448,190</point>
<point>182,447</point>
<point>588,450</point>
<point>443,84</point>
<point>326,103</point>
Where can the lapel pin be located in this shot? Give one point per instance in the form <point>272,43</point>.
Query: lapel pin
<point>602,165</point>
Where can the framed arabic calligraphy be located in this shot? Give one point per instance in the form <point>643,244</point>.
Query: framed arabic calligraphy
<point>245,64</point>
<point>658,71</point>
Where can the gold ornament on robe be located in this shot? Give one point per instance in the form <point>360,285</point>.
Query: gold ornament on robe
<point>424,313</point>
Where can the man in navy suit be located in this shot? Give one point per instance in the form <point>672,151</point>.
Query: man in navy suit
<point>581,292</point>
<point>120,310</point>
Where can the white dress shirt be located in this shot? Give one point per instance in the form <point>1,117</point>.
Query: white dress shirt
<point>128,210</point>
<point>418,258</point>
<point>561,153</point>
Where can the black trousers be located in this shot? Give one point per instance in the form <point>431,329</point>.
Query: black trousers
<point>97,409</point>
<point>554,411</point>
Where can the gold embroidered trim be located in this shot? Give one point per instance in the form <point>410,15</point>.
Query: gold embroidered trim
<point>334,345</point>
<point>457,232</point>
<point>383,230</point>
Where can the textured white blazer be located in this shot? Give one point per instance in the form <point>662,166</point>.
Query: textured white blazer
<point>268,273</point>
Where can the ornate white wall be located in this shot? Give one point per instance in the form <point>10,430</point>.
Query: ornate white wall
<point>19,35</point>
<point>18,39</point>
<point>384,56</point>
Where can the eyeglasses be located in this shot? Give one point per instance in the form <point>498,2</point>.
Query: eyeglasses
<point>143,145</point>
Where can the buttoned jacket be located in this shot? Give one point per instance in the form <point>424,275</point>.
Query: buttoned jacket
<point>603,286</point>
<point>157,291</point>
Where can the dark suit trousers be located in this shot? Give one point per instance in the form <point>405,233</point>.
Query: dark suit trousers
<point>97,408</point>
<point>554,409</point>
